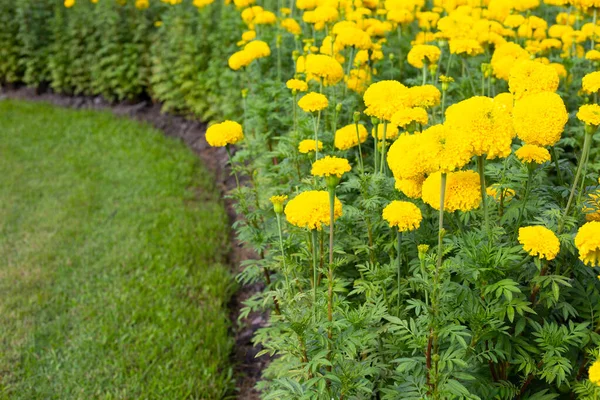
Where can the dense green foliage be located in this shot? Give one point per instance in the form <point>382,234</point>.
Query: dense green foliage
<point>112,279</point>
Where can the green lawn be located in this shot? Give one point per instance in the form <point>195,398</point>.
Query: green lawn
<point>112,243</point>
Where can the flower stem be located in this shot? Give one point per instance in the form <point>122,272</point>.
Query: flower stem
<point>360,157</point>
<point>281,246</point>
<point>481,168</point>
<point>317,121</point>
<point>330,272</point>
<point>382,167</point>
<point>375,150</point>
<point>558,171</point>
<point>399,240</point>
<point>586,148</point>
<point>525,198</point>
<point>237,181</point>
<point>315,262</point>
<point>424,73</point>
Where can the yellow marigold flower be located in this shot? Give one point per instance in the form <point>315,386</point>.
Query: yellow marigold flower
<point>406,116</point>
<point>589,114</point>
<point>311,210</point>
<point>313,101</point>
<point>69,3</point>
<point>423,53</point>
<point>292,26</point>
<point>297,85</point>
<point>462,191</point>
<point>593,55</point>
<point>265,18</point>
<point>591,82</point>
<point>514,21</point>
<point>540,118</point>
<point>308,146</point>
<point>484,124</point>
<point>425,96</point>
<point>240,59</point>
<point>324,68</point>
<point>539,241</point>
<point>383,98</point>
<point>257,49</point>
<point>587,242</point>
<point>347,137</point>
<point>529,77</point>
<point>142,4</point>
<point>277,202</point>
<point>330,166</point>
<point>530,153</point>
<point>403,214</point>
<point>391,132</point>
<point>410,187</point>
<point>591,207</point>
<point>594,373</point>
<point>468,47</point>
<point>505,56</point>
<point>243,3</point>
<point>560,69</point>
<point>248,35</point>
<point>495,191</point>
<point>227,132</point>
<point>352,36</point>
<point>286,11</point>
<point>306,4</point>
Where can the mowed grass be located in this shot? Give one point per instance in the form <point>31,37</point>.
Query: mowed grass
<point>112,243</point>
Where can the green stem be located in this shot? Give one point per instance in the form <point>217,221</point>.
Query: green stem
<point>558,171</point>
<point>362,165</point>
<point>525,198</point>
<point>586,148</point>
<point>481,168</point>
<point>330,272</point>
<point>315,263</point>
<point>237,181</point>
<point>376,150</point>
<point>399,240</point>
<point>424,73</point>
<point>383,151</point>
<point>317,121</point>
<point>281,245</point>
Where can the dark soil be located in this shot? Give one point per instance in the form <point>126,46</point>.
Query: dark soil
<point>247,368</point>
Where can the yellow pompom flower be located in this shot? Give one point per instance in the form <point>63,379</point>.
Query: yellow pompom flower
<point>462,191</point>
<point>412,188</point>
<point>495,192</point>
<point>240,59</point>
<point>330,166</point>
<point>484,124</point>
<point>246,36</point>
<point>593,55</point>
<point>589,114</point>
<point>402,214</point>
<point>529,77</point>
<point>277,202</point>
<point>384,98</point>
<point>142,4</point>
<point>406,116</point>
<point>423,53</point>
<point>539,241</point>
<point>69,3</point>
<point>323,68</point>
<point>425,96</point>
<point>530,153</point>
<point>594,373</point>
<point>311,209</point>
<point>506,100</point>
<point>313,102</point>
<point>539,119</point>
<point>468,47</point>
<point>587,242</point>
<point>309,146</point>
<point>591,82</point>
<point>292,26</point>
<point>297,85</point>
<point>347,137</point>
<point>257,49</point>
<point>504,58</point>
<point>227,132</point>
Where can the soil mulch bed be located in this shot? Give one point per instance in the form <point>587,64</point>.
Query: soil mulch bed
<point>247,367</point>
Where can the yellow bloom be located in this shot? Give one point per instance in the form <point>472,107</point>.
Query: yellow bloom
<point>462,191</point>
<point>593,55</point>
<point>507,100</point>
<point>323,68</point>
<point>277,202</point>
<point>240,59</point>
<point>529,77</point>
<point>540,118</point>
<point>494,191</point>
<point>257,49</point>
<point>482,123</point>
<point>590,114</point>
<point>425,96</point>
<point>406,116</point>
<point>227,132</point>
<point>587,242</point>
<point>308,146</point>
<point>468,47</point>
<point>246,36</point>
<point>297,85</point>
<point>69,3</point>
<point>539,241</point>
<point>423,53</point>
<point>311,209</point>
<point>292,26</point>
<point>330,166</point>
<point>313,102</point>
<point>403,215</point>
<point>141,4</point>
<point>384,98</point>
<point>594,373</point>
<point>505,56</point>
<point>591,82</point>
<point>530,153</point>
<point>412,188</point>
<point>347,137</point>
